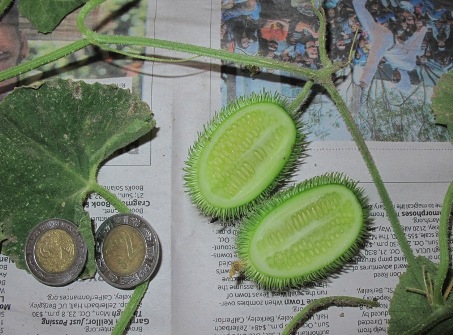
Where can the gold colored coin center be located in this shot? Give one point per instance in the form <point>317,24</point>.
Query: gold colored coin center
<point>124,250</point>
<point>55,251</point>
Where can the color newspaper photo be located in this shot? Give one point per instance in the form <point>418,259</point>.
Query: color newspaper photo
<point>397,50</point>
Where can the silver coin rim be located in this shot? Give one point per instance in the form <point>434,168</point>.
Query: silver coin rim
<point>152,253</point>
<point>62,278</point>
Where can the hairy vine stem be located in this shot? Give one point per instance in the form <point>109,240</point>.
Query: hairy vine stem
<point>139,292</point>
<point>343,109</point>
<point>297,103</point>
<point>104,41</point>
<point>322,303</point>
<point>112,198</point>
<point>372,168</point>
<point>43,60</point>
<point>131,307</point>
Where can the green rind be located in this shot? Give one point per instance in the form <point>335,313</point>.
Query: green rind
<point>249,226</point>
<point>191,169</point>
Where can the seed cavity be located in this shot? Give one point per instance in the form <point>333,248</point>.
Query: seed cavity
<point>237,152</point>
<point>306,234</point>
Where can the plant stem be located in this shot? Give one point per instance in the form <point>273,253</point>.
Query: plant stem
<point>102,40</point>
<point>130,309</point>
<point>298,102</point>
<point>42,60</point>
<point>112,198</point>
<point>322,34</point>
<point>374,172</point>
<point>448,289</point>
<point>92,38</point>
<point>444,251</point>
<point>320,304</point>
<point>140,290</point>
<point>99,39</point>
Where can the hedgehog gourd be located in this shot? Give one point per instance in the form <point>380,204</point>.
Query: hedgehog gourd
<point>242,154</point>
<point>303,233</point>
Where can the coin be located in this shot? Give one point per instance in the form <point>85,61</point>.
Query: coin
<point>127,250</point>
<point>55,252</point>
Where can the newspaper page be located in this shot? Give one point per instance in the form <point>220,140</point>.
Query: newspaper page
<point>191,292</point>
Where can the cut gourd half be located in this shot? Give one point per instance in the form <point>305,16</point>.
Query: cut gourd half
<point>303,233</point>
<point>242,154</point>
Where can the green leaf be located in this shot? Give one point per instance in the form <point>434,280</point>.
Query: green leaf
<point>442,101</point>
<point>411,312</point>
<point>46,15</point>
<point>52,141</point>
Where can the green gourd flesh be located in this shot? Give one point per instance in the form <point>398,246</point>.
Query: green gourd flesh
<point>303,233</point>
<point>242,154</point>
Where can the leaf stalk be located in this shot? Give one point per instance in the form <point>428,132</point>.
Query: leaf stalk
<point>43,60</point>
<point>375,175</point>
<point>112,198</point>
<point>299,101</point>
<point>104,42</point>
<point>323,303</point>
<point>125,318</point>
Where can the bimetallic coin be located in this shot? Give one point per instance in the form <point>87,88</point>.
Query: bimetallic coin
<point>55,252</point>
<point>127,250</point>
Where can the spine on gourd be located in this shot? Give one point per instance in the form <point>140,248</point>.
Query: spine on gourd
<point>242,154</point>
<point>303,233</point>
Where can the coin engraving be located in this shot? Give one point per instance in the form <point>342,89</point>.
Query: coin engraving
<point>124,250</point>
<point>127,250</point>
<point>55,251</point>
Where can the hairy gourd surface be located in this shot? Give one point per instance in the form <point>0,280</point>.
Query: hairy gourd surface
<point>242,154</point>
<point>303,233</point>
